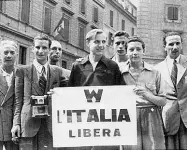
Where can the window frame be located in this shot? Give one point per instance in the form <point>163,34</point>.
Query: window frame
<point>167,6</point>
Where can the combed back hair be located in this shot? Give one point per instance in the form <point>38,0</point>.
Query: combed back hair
<point>170,34</point>
<point>120,33</point>
<point>92,34</point>
<point>135,38</point>
<point>43,37</point>
<point>10,43</point>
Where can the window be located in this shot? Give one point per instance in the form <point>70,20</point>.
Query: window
<point>66,28</point>
<point>64,64</point>
<point>47,19</point>
<point>95,14</point>
<point>22,55</point>
<point>173,13</point>
<point>25,11</point>
<point>111,18</point>
<point>123,25</point>
<point>1,6</point>
<point>82,6</point>
<point>81,36</point>
<point>132,33</point>
<point>110,38</point>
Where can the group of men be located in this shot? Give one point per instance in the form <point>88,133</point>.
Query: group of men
<point>18,84</point>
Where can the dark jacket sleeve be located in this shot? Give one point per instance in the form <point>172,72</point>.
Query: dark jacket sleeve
<point>71,81</point>
<point>118,76</point>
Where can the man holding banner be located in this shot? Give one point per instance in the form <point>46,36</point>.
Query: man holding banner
<point>150,89</point>
<point>95,69</point>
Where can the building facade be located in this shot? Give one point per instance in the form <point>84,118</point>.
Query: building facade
<point>22,20</point>
<point>119,15</point>
<point>157,17</point>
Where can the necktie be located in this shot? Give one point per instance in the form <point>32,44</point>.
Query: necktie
<point>42,81</point>
<point>174,73</point>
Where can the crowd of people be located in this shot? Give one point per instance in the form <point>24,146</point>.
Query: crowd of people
<point>161,109</point>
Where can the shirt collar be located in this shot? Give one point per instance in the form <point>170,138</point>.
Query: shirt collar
<point>86,59</point>
<point>171,60</point>
<point>125,67</point>
<point>5,73</point>
<point>39,66</point>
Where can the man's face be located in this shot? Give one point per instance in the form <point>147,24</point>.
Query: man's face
<point>55,51</point>
<point>135,51</point>
<point>8,55</point>
<point>41,50</point>
<point>97,45</point>
<point>119,44</point>
<point>173,46</point>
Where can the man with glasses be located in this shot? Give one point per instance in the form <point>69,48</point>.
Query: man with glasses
<point>118,40</point>
<point>55,54</point>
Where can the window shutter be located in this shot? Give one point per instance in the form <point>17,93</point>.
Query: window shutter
<point>123,25</point>
<point>175,13</point>
<point>1,6</point>
<point>95,14</point>
<point>83,6</point>
<point>132,31</point>
<point>47,20</point>
<point>170,13</point>
<point>109,38</point>
<point>81,37</point>
<point>66,29</point>
<point>25,10</point>
<point>111,18</point>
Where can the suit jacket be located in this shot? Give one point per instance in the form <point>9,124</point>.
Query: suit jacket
<point>26,78</point>
<point>7,97</point>
<point>176,106</point>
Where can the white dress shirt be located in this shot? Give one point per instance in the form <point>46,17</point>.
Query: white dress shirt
<point>39,68</point>
<point>8,77</point>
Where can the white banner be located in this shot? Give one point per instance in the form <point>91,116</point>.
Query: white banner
<point>94,116</point>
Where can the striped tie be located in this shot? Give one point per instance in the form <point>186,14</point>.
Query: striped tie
<point>42,81</point>
<point>174,73</point>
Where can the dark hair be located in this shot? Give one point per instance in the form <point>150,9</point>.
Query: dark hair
<point>43,37</point>
<point>170,34</point>
<point>120,33</point>
<point>135,38</point>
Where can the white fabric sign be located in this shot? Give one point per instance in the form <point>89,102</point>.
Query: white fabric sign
<point>94,116</point>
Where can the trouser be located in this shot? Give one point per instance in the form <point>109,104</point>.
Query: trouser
<point>41,141</point>
<point>8,145</point>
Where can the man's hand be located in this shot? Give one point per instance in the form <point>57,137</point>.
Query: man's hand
<point>143,92</point>
<point>16,131</point>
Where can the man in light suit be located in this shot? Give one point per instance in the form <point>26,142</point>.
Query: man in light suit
<point>36,133</point>
<point>8,52</point>
<point>174,113</point>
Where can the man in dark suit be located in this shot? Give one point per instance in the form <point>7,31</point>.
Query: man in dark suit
<point>55,54</point>
<point>8,52</point>
<point>35,79</point>
<point>173,70</point>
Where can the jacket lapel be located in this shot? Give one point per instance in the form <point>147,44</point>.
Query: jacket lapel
<point>10,90</point>
<point>32,76</point>
<point>51,76</point>
<point>181,68</point>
